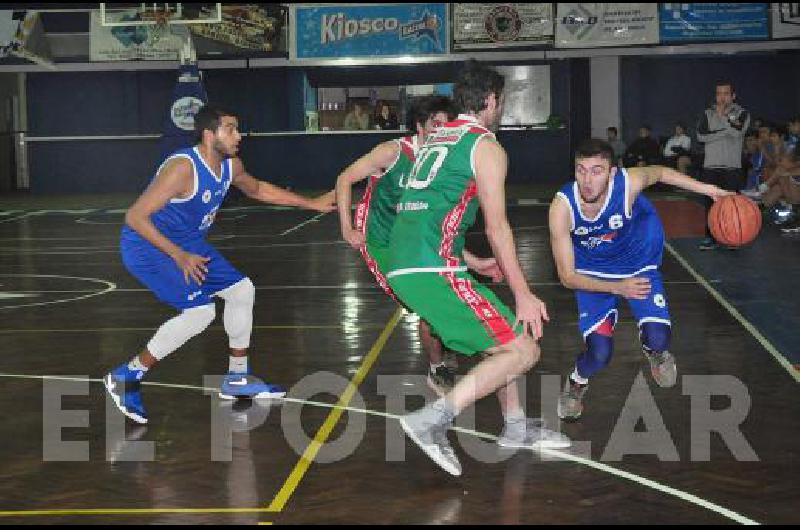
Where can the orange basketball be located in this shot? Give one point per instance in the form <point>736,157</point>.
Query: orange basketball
<point>734,220</point>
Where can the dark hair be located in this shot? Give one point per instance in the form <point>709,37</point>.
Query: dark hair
<point>609,129</point>
<point>595,147</point>
<point>208,118</point>
<point>726,82</point>
<point>438,104</point>
<point>779,130</point>
<point>796,119</point>
<point>424,107</point>
<point>475,82</point>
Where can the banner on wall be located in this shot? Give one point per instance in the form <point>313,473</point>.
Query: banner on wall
<point>244,28</point>
<point>368,30</point>
<point>786,20</point>
<point>22,35</point>
<point>713,22</point>
<point>125,43</point>
<point>188,97</point>
<point>477,26</point>
<point>596,25</point>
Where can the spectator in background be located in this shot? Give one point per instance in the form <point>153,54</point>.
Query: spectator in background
<point>644,151</point>
<point>384,118</point>
<point>793,136</point>
<point>677,150</point>
<point>722,128</point>
<point>754,164</point>
<point>356,119</point>
<point>616,144</point>
<point>784,191</point>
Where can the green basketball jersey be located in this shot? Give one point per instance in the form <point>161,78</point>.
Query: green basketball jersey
<point>376,212</point>
<point>439,203</point>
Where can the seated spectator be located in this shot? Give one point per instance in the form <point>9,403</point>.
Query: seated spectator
<point>677,150</point>
<point>644,151</point>
<point>384,118</point>
<point>784,190</point>
<point>793,136</point>
<point>356,119</point>
<point>616,144</point>
<point>754,164</point>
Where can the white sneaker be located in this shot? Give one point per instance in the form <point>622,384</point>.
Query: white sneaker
<point>532,434</point>
<point>431,437</point>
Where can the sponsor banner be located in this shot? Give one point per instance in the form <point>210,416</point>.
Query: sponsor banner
<point>21,35</point>
<point>244,29</point>
<point>596,25</point>
<point>477,26</point>
<point>786,20</point>
<point>125,43</point>
<point>368,30</point>
<point>187,98</point>
<point>713,22</point>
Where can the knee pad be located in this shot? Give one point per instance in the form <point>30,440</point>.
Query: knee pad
<point>655,336</point>
<point>175,332</point>
<point>238,315</point>
<point>197,319</point>
<point>599,350</point>
<point>241,293</point>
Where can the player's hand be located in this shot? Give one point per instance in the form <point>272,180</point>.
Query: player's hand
<point>193,266</point>
<point>635,288</point>
<point>531,312</point>
<point>488,267</point>
<point>324,203</point>
<point>354,238</point>
<point>717,193</point>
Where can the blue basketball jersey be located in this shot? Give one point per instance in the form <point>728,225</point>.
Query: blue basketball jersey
<point>189,219</point>
<point>617,243</point>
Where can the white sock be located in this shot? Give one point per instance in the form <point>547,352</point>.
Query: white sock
<point>576,377</point>
<point>515,416</point>
<point>136,364</point>
<point>238,364</point>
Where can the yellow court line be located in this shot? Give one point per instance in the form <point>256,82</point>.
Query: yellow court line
<point>324,432</point>
<point>130,511</point>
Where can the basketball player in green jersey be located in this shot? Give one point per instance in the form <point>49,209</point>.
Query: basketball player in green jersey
<point>387,166</point>
<point>460,168</point>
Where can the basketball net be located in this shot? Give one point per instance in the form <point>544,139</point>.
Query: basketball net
<point>160,30</point>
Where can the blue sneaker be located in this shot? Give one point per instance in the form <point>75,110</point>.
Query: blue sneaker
<point>239,385</point>
<point>123,385</point>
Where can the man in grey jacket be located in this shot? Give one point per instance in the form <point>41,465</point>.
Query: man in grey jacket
<point>722,129</point>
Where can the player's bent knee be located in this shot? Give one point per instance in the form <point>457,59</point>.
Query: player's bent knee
<point>197,319</point>
<point>656,336</point>
<point>241,293</point>
<point>600,348</point>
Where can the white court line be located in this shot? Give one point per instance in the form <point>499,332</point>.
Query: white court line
<point>605,468</point>
<point>109,286</point>
<point>312,220</point>
<point>777,355</point>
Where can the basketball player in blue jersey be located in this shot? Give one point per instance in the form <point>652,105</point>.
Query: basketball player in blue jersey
<point>607,241</point>
<point>163,245</point>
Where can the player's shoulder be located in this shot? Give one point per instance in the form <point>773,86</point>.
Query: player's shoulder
<point>177,164</point>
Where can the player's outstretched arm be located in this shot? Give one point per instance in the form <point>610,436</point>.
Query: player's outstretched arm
<point>561,244</point>
<point>271,194</point>
<point>374,162</point>
<point>491,164</point>
<point>174,180</point>
<point>643,177</point>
